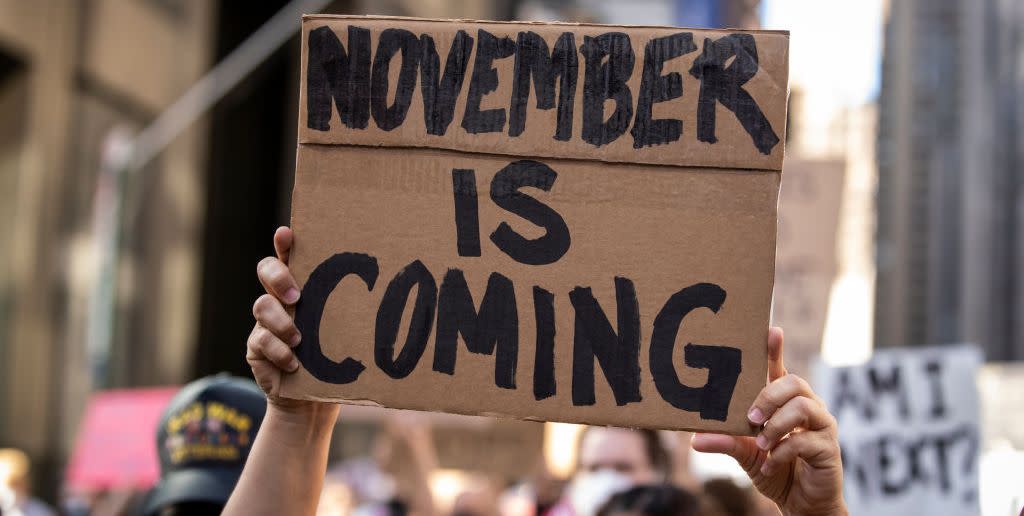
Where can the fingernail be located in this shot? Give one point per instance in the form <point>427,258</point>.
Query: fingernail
<point>766,469</point>
<point>755,416</point>
<point>296,340</point>
<point>293,366</point>
<point>762,442</point>
<point>291,296</point>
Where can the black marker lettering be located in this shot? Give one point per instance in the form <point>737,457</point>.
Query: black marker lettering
<point>392,41</point>
<point>933,370</point>
<point>467,216</point>
<point>723,363</point>
<point>618,355</point>
<point>655,88</point>
<point>606,79</point>
<point>484,81</point>
<point>846,394</point>
<point>441,91</point>
<point>887,445</point>
<point>544,360</point>
<point>389,316</point>
<point>532,58</point>
<point>505,193</point>
<point>891,384</point>
<point>719,83</point>
<point>333,74</point>
<point>310,310</point>
<point>495,326</point>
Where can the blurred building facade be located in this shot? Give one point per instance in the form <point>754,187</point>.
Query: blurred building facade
<point>951,159</point>
<point>76,81</point>
<point>77,78</point>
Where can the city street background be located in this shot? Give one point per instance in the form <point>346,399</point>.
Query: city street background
<point>901,217</point>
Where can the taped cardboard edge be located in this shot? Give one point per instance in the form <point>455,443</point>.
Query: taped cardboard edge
<point>381,145</point>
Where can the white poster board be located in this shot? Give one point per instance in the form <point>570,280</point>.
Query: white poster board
<point>908,427</point>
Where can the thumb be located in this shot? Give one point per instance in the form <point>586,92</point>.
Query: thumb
<point>743,449</point>
<point>776,361</point>
<point>283,238</point>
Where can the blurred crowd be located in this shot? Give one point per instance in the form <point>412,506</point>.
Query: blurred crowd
<point>206,431</point>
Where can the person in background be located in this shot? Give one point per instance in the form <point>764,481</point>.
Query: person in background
<point>730,498</point>
<point>204,438</point>
<point>16,486</point>
<point>652,500</point>
<point>794,460</point>
<point>611,460</point>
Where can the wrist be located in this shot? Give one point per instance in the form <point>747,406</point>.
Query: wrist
<point>302,422</point>
<point>837,509</point>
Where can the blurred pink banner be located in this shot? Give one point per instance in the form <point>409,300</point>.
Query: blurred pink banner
<point>116,445</point>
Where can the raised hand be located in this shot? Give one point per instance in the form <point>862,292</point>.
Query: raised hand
<point>795,459</point>
<point>269,348</point>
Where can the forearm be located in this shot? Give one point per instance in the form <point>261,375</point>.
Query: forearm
<point>286,466</point>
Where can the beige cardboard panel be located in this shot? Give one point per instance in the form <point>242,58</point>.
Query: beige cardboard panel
<point>664,228</point>
<point>735,148</point>
<point>805,265</point>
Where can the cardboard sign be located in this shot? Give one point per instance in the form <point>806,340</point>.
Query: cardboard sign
<point>805,265</point>
<point>908,428</point>
<point>543,221</point>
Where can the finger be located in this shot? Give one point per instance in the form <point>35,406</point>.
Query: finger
<point>278,280</point>
<point>775,395</point>
<point>799,412</point>
<point>776,362</point>
<point>271,315</point>
<point>264,345</point>
<point>814,448</point>
<point>742,449</point>
<point>283,238</point>
<point>266,375</point>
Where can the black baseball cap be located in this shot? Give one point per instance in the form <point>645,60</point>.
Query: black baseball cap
<point>203,440</point>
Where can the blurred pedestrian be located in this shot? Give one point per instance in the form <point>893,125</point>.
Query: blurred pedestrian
<point>732,499</point>
<point>652,500</point>
<point>204,438</point>
<point>611,460</point>
<point>794,460</point>
<point>16,486</point>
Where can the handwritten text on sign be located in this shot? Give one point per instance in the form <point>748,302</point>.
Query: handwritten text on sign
<point>494,328</point>
<point>535,256</point>
<point>908,427</point>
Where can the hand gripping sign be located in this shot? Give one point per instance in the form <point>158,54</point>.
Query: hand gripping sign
<point>543,221</point>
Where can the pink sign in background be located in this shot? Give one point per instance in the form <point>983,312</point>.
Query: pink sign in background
<point>116,445</point>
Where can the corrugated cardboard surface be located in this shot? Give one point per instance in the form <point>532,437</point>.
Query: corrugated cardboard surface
<point>805,265</point>
<point>664,228</point>
<point>734,148</point>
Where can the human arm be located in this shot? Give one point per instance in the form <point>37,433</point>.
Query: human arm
<point>408,454</point>
<point>285,469</point>
<point>795,459</point>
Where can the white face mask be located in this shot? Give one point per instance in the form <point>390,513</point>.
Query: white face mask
<point>589,491</point>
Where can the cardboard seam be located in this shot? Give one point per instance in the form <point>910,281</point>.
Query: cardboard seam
<point>531,156</point>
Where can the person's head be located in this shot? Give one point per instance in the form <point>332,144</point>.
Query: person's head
<point>14,470</point>
<point>651,500</point>
<point>191,509</point>
<point>731,498</point>
<point>203,440</point>
<point>636,454</point>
